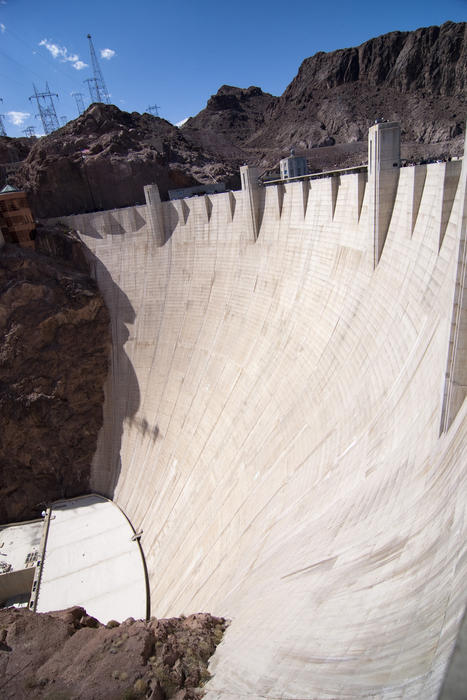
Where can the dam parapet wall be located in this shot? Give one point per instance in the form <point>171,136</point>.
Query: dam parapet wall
<point>343,203</point>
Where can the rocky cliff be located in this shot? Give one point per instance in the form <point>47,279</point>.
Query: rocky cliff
<point>417,78</point>
<point>430,59</point>
<point>54,350</point>
<point>231,117</point>
<point>82,658</point>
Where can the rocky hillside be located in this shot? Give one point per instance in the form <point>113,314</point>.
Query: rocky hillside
<point>231,117</point>
<point>13,150</point>
<point>82,658</point>
<point>105,157</point>
<point>417,78</point>
<point>54,354</point>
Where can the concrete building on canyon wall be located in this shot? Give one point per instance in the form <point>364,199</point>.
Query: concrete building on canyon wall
<point>16,219</point>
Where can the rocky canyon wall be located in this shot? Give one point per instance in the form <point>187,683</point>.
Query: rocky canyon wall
<point>54,358</point>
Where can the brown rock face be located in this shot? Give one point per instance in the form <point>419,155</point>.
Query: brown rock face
<point>103,159</point>
<point>230,118</point>
<point>54,349</point>
<point>13,150</point>
<point>432,59</point>
<point>160,659</point>
<point>417,78</point>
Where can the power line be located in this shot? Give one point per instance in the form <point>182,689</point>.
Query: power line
<point>25,69</point>
<point>46,60</point>
<point>28,69</point>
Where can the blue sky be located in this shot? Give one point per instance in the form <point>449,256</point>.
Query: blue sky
<point>177,54</point>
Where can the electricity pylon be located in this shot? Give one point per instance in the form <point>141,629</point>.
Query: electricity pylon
<point>46,107</point>
<point>97,86</point>
<point>2,127</point>
<point>79,99</point>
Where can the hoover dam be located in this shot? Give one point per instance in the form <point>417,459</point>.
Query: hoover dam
<point>285,420</point>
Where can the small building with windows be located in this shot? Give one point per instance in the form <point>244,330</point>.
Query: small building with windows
<point>16,219</point>
<point>293,166</point>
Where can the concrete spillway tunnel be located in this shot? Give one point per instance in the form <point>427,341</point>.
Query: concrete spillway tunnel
<point>284,421</point>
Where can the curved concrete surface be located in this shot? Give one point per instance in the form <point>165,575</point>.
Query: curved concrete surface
<point>92,559</point>
<point>285,422</point>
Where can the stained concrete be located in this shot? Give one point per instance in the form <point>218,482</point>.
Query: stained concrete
<point>275,423</point>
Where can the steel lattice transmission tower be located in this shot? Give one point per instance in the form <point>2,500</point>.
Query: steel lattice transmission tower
<point>97,86</point>
<point>93,90</point>
<point>29,131</point>
<point>46,107</point>
<point>2,127</point>
<point>79,99</point>
<point>153,109</point>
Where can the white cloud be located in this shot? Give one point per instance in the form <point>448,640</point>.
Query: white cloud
<point>61,52</point>
<point>79,65</point>
<point>2,28</point>
<point>18,118</point>
<point>184,121</point>
<point>53,48</point>
<point>107,53</point>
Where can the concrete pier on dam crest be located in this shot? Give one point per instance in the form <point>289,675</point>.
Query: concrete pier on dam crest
<point>285,420</point>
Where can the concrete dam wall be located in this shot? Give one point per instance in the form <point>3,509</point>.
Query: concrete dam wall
<point>285,422</point>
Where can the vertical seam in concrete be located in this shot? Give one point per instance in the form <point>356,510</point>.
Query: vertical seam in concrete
<point>456,322</point>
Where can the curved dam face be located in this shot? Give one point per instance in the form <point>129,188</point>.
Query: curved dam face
<point>285,422</point>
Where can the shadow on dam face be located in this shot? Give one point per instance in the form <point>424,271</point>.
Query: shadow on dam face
<point>272,425</point>
<point>122,395</point>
